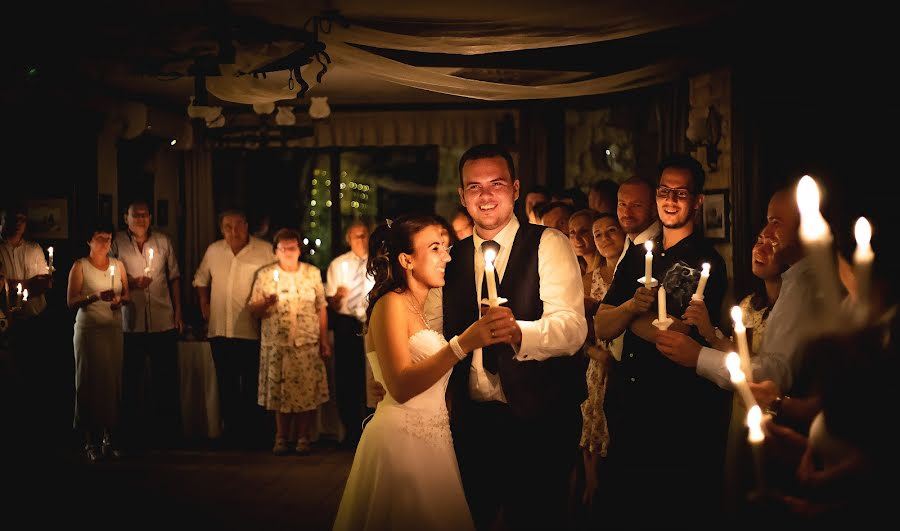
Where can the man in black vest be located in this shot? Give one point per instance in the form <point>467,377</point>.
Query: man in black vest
<point>667,424</point>
<point>515,407</point>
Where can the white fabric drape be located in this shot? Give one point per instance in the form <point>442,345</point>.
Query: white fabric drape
<point>438,28</point>
<point>200,217</point>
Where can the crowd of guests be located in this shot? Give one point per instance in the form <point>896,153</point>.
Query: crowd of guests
<point>661,424</point>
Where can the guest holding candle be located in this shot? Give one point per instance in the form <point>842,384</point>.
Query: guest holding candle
<point>290,299</point>
<point>24,263</point>
<point>98,289</point>
<point>346,290</point>
<point>648,393</point>
<point>151,320</point>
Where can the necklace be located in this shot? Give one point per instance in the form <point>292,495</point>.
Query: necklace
<point>415,308</point>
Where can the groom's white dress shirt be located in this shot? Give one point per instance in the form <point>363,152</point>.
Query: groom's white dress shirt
<point>562,328</point>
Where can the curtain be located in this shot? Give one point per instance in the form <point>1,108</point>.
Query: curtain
<point>672,108</point>
<point>200,217</point>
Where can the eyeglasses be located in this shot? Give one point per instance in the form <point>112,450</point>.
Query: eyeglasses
<point>288,248</point>
<point>681,194</point>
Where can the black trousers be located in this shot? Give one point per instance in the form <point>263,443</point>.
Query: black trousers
<point>515,467</point>
<point>150,388</point>
<point>349,374</point>
<point>237,373</point>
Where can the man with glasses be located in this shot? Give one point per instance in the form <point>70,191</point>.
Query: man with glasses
<point>668,425</point>
<point>151,321</point>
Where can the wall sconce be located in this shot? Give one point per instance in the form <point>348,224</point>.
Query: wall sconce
<point>706,132</point>
<point>319,108</point>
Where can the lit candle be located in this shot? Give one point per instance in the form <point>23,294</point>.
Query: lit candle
<point>18,292</point>
<point>24,296</point>
<point>740,336</point>
<point>489,256</point>
<point>648,264</point>
<point>862,263</point>
<point>275,278</point>
<point>50,253</point>
<point>816,237</point>
<point>701,286</point>
<point>112,277</point>
<point>345,274</point>
<point>756,438</point>
<point>149,261</point>
<point>739,378</point>
<point>661,296</point>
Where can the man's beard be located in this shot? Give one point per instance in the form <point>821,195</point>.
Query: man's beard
<point>682,223</point>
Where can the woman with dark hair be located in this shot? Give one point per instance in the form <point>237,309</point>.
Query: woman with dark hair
<point>289,298</point>
<point>405,474</point>
<point>97,289</point>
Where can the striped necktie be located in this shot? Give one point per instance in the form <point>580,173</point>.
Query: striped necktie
<point>357,287</point>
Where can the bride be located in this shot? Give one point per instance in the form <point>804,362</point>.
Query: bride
<point>404,474</point>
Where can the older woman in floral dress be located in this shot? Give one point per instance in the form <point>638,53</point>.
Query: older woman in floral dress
<point>289,298</point>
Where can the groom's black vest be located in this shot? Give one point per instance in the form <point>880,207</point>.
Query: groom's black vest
<point>532,388</point>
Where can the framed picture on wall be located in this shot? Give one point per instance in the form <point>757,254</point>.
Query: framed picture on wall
<point>715,215</point>
<point>48,219</point>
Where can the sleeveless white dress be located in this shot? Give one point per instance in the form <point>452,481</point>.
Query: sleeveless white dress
<point>405,474</point>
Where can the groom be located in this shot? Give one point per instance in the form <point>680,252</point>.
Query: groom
<point>515,416</point>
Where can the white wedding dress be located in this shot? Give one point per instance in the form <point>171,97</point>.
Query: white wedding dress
<point>404,474</point>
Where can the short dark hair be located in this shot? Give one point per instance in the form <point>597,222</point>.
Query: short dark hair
<point>683,161</point>
<point>136,203</point>
<point>285,235</point>
<point>232,212</point>
<point>99,226</point>
<point>553,205</point>
<point>608,190</point>
<point>487,151</point>
<point>539,189</point>
<point>463,211</point>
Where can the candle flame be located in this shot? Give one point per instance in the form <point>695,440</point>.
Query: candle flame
<point>489,256</point>
<point>738,317</point>
<point>648,245</point>
<point>706,268</point>
<point>151,253</point>
<point>50,250</point>
<point>808,196</point>
<point>754,422</point>
<point>733,364</point>
<point>19,288</point>
<point>25,295</point>
<point>275,274</point>
<point>112,271</point>
<point>863,233</point>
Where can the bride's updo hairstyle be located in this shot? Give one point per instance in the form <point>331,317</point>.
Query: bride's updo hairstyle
<point>385,245</point>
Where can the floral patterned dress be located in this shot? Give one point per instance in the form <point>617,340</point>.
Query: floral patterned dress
<point>594,431</point>
<point>292,376</point>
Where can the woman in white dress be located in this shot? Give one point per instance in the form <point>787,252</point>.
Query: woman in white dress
<point>405,474</point>
<point>97,289</point>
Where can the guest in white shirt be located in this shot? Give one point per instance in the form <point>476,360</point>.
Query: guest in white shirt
<point>24,263</point>
<point>223,283</point>
<point>346,291</point>
<point>151,322</point>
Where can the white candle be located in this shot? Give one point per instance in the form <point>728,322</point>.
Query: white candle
<point>739,378</point>
<point>756,438</point>
<point>18,293</point>
<point>816,237</point>
<point>648,264</point>
<point>863,257</point>
<point>112,277</point>
<point>661,295</point>
<point>489,256</point>
<point>701,286</point>
<point>149,261</point>
<point>50,253</point>
<point>25,296</point>
<point>345,274</point>
<point>275,278</point>
<point>740,336</point>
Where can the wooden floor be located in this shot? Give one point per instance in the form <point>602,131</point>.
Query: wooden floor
<point>202,489</point>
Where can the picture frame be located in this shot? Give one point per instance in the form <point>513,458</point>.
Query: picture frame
<point>48,219</point>
<point>716,215</point>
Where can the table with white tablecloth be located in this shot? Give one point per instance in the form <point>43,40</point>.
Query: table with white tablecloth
<point>199,391</point>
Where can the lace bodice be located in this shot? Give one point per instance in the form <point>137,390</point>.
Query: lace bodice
<point>425,415</point>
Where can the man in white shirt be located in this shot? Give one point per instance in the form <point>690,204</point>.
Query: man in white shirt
<point>151,321</point>
<point>346,290</point>
<point>223,281</point>
<point>24,263</point>
<point>516,415</point>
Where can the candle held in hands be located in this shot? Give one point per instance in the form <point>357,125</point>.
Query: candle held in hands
<point>50,254</point>
<point>661,296</point>
<point>740,336</point>
<point>24,296</point>
<point>149,261</point>
<point>112,277</point>
<point>701,286</point>
<point>648,264</point>
<point>489,256</point>
<point>863,257</point>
